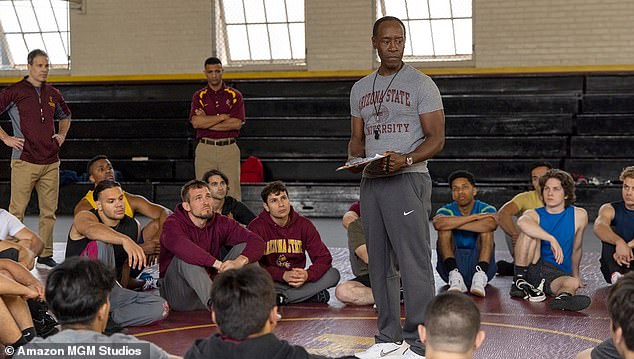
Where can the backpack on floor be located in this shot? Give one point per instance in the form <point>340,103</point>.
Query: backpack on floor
<point>251,170</point>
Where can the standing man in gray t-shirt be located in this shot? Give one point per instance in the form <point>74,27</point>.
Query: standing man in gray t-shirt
<point>397,111</point>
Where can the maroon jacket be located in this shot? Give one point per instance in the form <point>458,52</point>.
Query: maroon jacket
<point>181,238</point>
<point>286,246</point>
<point>32,117</point>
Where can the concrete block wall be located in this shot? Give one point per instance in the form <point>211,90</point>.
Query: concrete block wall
<point>122,37</point>
<point>141,37</point>
<point>515,33</point>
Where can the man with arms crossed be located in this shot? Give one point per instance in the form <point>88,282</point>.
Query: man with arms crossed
<point>397,111</point>
<point>34,106</point>
<point>217,114</point>
<point>614,226</point>
<point>548,250</point>
<point>465,237</point>
<point>515,208</point>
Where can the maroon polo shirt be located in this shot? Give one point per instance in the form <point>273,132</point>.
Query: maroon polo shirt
<point>32,117</point>
<point>227,100</point>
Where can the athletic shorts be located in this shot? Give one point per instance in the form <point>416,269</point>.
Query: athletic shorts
<point>363,279</point>
<point>547,271</point>
<point>10,253</point>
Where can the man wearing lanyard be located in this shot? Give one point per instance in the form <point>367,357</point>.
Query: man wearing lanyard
<point>33,105</point>
<point>217,114</point>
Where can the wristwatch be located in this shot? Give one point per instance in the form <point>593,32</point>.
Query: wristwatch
<point>409,160</point>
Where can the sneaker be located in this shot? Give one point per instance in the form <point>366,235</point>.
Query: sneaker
<point>522,289</point>
<point>281,299</point>
<point>321,297</point>
<point>46,262</point>
<point>113,327</point>
<point>380,350</point>
<point>456,282</point>
<point>150,284</point>
<point>478,282</point>
<point>409,354</point>
<point>44,323</point>
<point>615,277</point>
<point>505,268</point>
<point>573,303</point>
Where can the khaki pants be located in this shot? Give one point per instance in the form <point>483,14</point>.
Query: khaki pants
<point>223,158</point>
<point>45,179</point>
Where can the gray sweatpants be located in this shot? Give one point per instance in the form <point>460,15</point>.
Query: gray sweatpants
<point>127,307</point>
<point>301,294</point>
<point>396,213</point>
<point>187,286</point>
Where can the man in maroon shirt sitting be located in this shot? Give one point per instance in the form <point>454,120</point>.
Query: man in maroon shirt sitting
<point>190,249</point>
<point>33,106</point>
<point>289,236</point>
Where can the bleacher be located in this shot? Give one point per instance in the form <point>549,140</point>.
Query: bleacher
<point>496,126</point>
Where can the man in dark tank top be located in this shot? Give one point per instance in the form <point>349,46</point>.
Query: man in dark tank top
<point>614,226</point>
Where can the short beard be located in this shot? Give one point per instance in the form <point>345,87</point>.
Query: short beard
<point>203,216</point>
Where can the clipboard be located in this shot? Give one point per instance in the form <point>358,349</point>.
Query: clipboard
<point>360,161</point>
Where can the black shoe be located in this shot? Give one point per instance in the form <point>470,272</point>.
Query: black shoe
<point>522,289</point>
<point>113,327</point>
<point>321,297</point>
<point>281,299</point>
<point>46,262</point>
<point>505,268</point>
<point>43,322</point>
<point>573,303</point>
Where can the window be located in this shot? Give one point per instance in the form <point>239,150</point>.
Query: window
<point>260,31</point>
<point>27,25</point>
<point>437,30</point>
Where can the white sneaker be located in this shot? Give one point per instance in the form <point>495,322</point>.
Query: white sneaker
<point>478,282</point>
<point>615,277</point>
<point>411,355</point>
<point>381,350</point>
<point>456,282</point>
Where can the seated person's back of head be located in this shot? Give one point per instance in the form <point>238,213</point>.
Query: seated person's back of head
<point>452,325</point>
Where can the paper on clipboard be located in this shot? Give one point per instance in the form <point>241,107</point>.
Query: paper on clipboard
<point>360,161</point>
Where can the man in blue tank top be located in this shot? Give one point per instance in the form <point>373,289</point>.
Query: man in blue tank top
<point>614,226</point>
<point>548,250</point>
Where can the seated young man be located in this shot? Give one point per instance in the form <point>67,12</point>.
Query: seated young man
<point>108,235</point>
<point>99,168</point>
<point>465,237</point>
<point>452,327</point>
<point>190,249</point>
<point>289,236</point>
<point>16,285</point>
<point>78,293</point>
<point>244,310</point>
<point>515,208</point>
<point>356,291</point>
<point>19,244</point>
<point>224,204</point>
<point>614,226</point>
<point>621,309</point>
<point>17,239</point>
<point>548,250</point>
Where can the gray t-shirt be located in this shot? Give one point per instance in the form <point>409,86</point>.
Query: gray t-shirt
<point>396,118</point>
<point>72,336</point>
